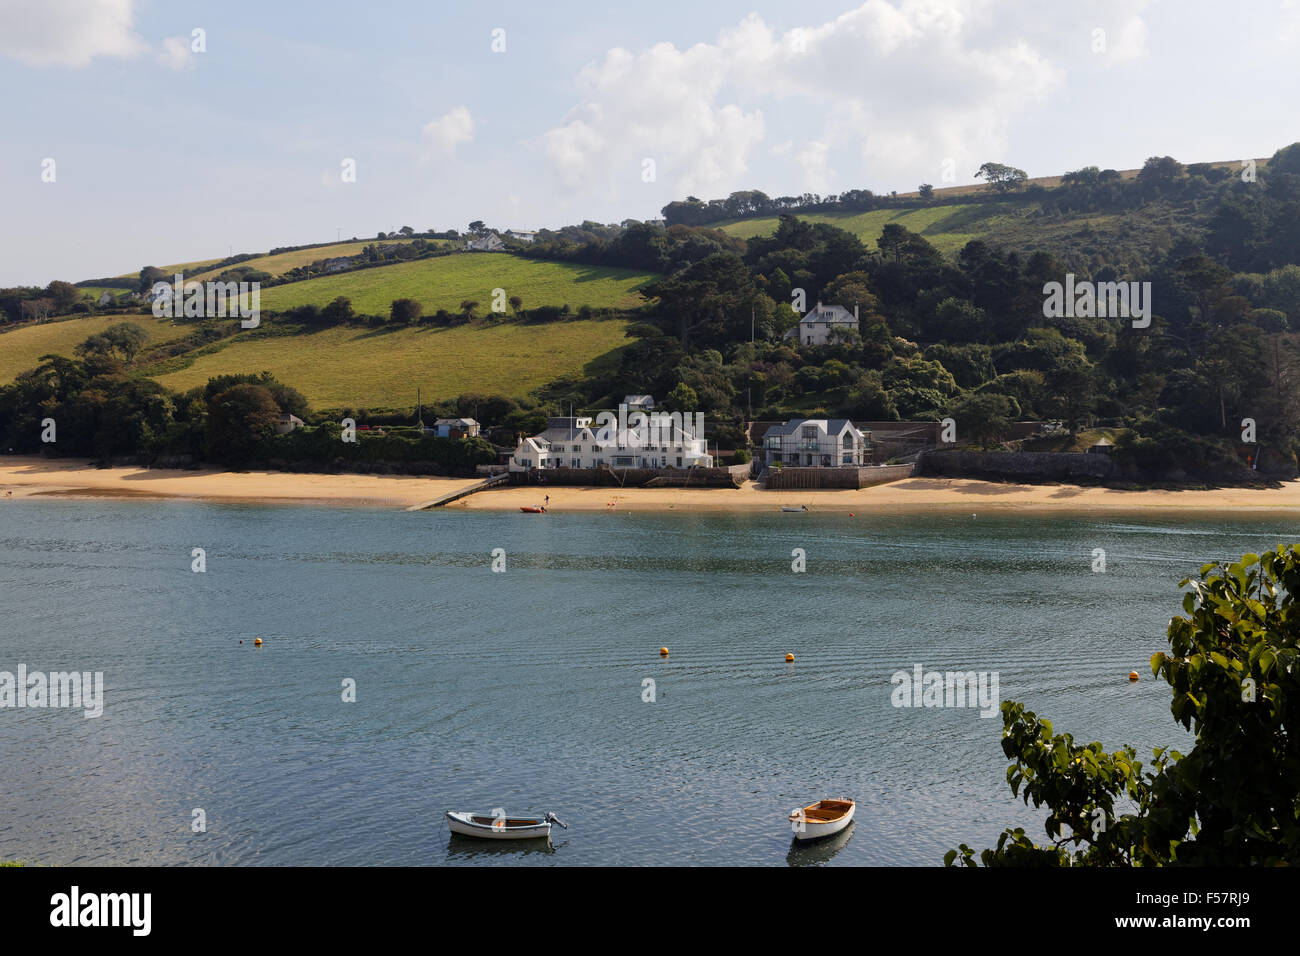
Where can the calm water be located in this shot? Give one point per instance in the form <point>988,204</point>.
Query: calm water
<point>523,690</point>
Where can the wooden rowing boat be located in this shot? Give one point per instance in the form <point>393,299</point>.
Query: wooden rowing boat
<point>821,819</point>
<point>487,827</point>
<point>533,510</point>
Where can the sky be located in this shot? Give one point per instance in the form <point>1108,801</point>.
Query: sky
<point>142,132</point>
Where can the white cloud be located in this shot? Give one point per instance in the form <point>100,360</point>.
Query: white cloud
<point>442,135</point>
<point>67,32</point>
<point>1290,30</point>
<point>1128,40</point>
<point>812,158</point>
<point>885,93</point>
<point>660,105</point>
<point>176,53</point>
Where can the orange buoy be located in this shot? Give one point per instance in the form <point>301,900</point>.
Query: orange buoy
<point>257,642</point>
<point>663,652</point>
<point>789,658</point>
<point>1132,675</point>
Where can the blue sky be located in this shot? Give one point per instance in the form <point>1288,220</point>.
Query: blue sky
<point>164,155</point>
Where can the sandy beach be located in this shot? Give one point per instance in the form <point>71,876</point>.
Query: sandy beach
<point>46,479</point>
<point>955,495</point>
<point>42,479</point>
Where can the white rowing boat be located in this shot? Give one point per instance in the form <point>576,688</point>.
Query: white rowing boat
<point>501,827</point>
<point>821,819</point>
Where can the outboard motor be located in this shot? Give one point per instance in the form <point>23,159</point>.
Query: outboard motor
<point>552,818</point>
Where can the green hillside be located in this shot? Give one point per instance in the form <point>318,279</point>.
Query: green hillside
<point>283,262</point>
<point>22,348</point>
<point>446,281</point>
<point>1019,223</point>
<point>184,268</point>
<point>354,367</point>
<point>948,228</point>
<point>378,367</point>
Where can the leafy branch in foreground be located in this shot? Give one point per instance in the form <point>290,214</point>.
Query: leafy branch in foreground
<point>1234,800</point>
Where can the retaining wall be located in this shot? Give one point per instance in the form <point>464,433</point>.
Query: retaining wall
<point>819,478</point>
<point>1019,465</point>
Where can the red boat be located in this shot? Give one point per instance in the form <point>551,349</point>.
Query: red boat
<point>534,510</point>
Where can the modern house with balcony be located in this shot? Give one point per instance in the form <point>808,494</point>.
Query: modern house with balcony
<point>816,443</point>
<point>574,442</point>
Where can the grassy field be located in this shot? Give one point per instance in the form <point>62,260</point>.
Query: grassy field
<point>22,348</point>
<point>444,282</point>
<point>283,262</point>
<point>183,267</point>
<point>377,368</point>
<point>948,228</point>
<point>93,292</point>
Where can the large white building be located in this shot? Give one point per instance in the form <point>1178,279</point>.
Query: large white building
<point>820,325</point>
<point>815,443</point>
<point>667,442</point>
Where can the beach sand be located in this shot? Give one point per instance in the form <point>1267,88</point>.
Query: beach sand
<point>43,479</point>
<point>953,495</point>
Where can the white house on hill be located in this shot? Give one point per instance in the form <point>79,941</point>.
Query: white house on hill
<point>489,243</point>
<point>818,326</point>
<point>815,443</point>
<point>576,443</point>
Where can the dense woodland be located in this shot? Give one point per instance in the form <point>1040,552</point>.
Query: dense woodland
<point>962,336</point>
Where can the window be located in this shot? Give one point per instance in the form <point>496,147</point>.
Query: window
<point>809,431</point>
